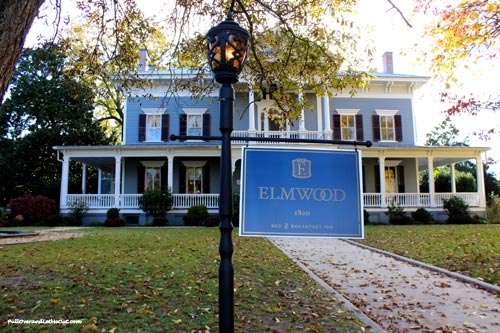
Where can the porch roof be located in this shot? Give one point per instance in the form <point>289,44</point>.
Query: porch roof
<point>104,156</point>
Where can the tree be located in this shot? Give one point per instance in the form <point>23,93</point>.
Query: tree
<point>16,18</point>
<point>106,58</point>
<point>46,108</point>
<point>300,45</point>
<point>465,33</point>
<point>445,134</point>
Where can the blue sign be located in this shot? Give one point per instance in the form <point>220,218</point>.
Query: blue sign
<point>301,193</point>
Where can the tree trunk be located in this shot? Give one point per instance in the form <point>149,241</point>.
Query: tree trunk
<point>16,17</point>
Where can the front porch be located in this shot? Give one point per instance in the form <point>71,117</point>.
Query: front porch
<point>373,202</point>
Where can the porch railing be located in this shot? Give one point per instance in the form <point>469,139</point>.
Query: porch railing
<point>315,135</point>
<point>184,201</point>
<point>417,199</point>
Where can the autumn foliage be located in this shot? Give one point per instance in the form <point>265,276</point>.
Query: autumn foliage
<point>29,209</point>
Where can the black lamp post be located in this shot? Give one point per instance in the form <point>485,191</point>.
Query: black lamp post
<point>227,49</point>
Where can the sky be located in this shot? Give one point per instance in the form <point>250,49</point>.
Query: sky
<point>389,32</point>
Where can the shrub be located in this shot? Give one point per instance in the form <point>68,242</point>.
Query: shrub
<point>113,213</point>
<point>460,219</point>
<point>159,221</point>
<point>422,215</point>
<point>396,214</point>
<point>401,220</point>
<point>493,210</point>
<point>53,220</point>
<point>366,217</point>
<point>33,209</point>
<point>156,202</point>
<point>114,222</point>
<point>236,209</point>
<point>196,215</point>
<point>78,210</point>
<point>457,210</point>
<point>455,206</point>
<point>212,221</point>
<point>113,218</point>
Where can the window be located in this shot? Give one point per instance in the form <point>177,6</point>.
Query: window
<point>387,128</point>
<point>348,125</point>
<point>194,176</point>
<point>107,182</point>
<point>194,124</point>
<point>153,127</point>
<point>193,180</point>
<point>152,174</point>
<point>153,178</point>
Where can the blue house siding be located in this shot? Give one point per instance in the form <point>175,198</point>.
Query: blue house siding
<point>367,107</point>
<point>174,107</point>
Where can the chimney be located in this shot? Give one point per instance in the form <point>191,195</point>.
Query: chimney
<point>388,63</point>
<point>143,60</point>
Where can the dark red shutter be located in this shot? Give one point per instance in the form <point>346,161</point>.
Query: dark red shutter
<point>398,127</point>
<point>182,124</point>
<point>206,124</point>
<point>336,127</point>
<point>376,127</point>
<point>142,127</point>
<point>141,174</point>
<point>359,127</point>
<point>165,123</point>
<point>401,178</point>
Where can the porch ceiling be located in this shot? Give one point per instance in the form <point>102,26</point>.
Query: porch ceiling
<point>104,163</point>
<point>442,161</point>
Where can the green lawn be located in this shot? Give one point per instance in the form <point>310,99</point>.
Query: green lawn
<point>159,280</point>
<point>472,250</point>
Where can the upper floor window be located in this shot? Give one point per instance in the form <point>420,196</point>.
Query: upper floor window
<point>153,125</point>
<point>387,126</point>
<point>195,122</point>
<point>348,125</point>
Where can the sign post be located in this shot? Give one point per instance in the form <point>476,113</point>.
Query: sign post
<point>301,193</point>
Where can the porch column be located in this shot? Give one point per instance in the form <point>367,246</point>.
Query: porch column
<point>452,178</point>
<point>84,178</point>
<point>64,182</point>
<point>251,113</point>
<point>326,115</point>
<point>302,120</point>
<point>99,180</point>
<point>118,177</point>
<point>480,181</point>
<point>430,172</point>
<point>319,115</point>
<point>381,170</point>
<point>170,171</point>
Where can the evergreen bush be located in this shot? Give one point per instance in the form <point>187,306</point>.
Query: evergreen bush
<point>422,215</point>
